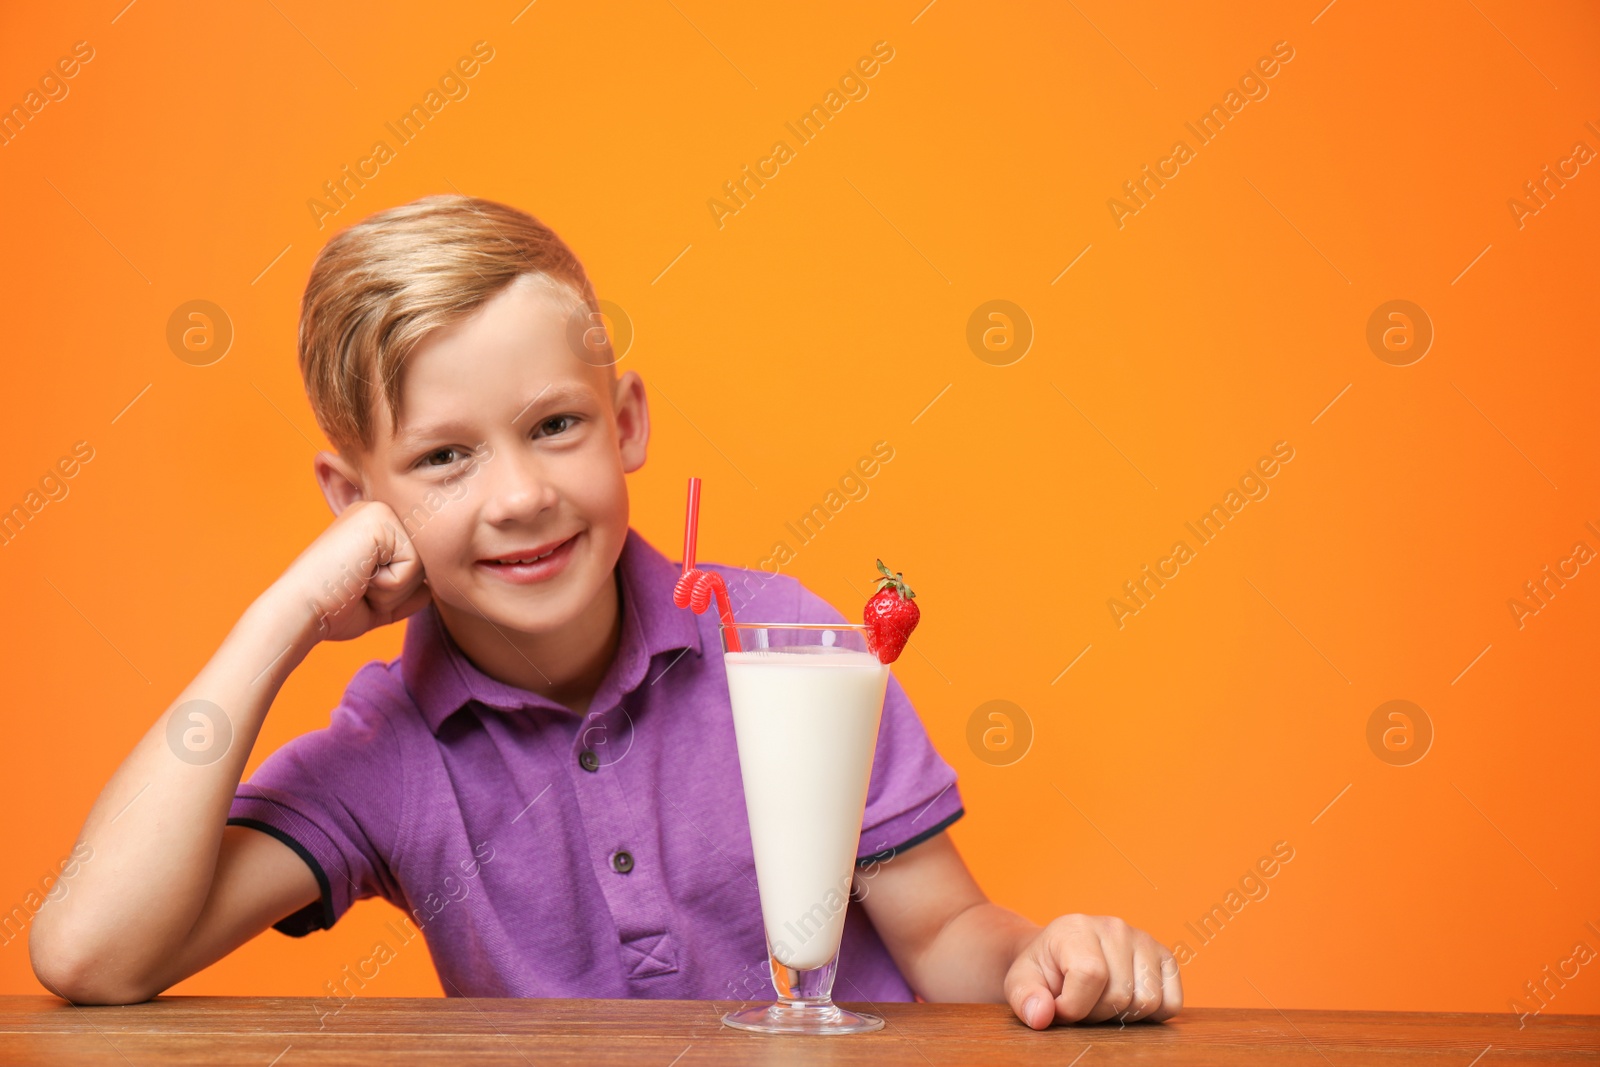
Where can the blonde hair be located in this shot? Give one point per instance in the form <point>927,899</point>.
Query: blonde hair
<point>381,286</point>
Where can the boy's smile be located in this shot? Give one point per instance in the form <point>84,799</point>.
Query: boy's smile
<point>534,565</point>
<point>506,468</point>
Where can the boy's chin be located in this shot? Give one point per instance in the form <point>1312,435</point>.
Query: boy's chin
<point>536,610</point>
<point>516,610</point>
<point>532,623</point>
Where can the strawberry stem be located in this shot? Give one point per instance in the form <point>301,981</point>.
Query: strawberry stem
<point>894,580</point>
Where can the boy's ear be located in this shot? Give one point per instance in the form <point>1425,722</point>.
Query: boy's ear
<point>340,481</point>
<point>633,420</point>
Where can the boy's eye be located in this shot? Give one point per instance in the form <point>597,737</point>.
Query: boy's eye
<point>433,459</point>
<point>556,424</point>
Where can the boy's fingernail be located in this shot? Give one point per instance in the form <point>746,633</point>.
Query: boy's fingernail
<point>1030,1008</point>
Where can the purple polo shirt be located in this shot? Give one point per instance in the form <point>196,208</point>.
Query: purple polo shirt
<point>546,854</point>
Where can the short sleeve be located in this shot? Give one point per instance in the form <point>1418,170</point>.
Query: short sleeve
<point>912,795</point>
<point>335,797</point>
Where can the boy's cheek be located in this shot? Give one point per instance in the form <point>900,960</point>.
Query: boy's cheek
<point>599,490</point>
<point>442,539</point>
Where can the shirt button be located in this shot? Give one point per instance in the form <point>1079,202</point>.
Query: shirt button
<point>622,862</point>
<point>588,760</point>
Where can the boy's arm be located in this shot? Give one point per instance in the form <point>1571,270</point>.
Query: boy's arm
<point>168,888</point>
<point>953,944</point>
<point>257,881</point>
<point>156,831</point>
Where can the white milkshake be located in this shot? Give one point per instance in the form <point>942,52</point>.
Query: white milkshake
<point>806,720</point>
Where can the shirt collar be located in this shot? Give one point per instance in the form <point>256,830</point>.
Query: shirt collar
<point>442,680</point>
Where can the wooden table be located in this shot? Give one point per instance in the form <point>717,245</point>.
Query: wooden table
<point>291,1032</point>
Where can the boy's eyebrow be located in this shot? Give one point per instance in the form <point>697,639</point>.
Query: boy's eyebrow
<point>550,396</point>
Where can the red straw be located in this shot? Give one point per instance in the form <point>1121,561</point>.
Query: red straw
<point>696,587</point>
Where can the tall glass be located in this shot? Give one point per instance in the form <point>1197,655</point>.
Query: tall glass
<point>806,704</point>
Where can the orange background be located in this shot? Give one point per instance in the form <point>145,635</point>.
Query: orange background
<point>826,316</point>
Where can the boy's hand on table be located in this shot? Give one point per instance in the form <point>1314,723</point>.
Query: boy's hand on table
<point>952,943</point>
<point>1091,968</point>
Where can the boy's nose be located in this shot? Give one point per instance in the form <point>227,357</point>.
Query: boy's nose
<point>519,486</point>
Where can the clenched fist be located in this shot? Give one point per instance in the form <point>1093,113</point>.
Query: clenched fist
<point>361,573</point>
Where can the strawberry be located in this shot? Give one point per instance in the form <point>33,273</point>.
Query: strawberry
<point>891,614</point>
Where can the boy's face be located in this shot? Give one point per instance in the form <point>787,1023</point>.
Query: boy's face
<point>508,445</point>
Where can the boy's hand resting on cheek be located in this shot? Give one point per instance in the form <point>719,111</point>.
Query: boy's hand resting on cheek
<point>361,573</point>
<point>1092,968</point>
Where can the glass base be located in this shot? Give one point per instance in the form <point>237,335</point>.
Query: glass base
<point>799,1018</point>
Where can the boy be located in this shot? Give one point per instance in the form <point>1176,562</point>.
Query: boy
<point>545,780</point>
